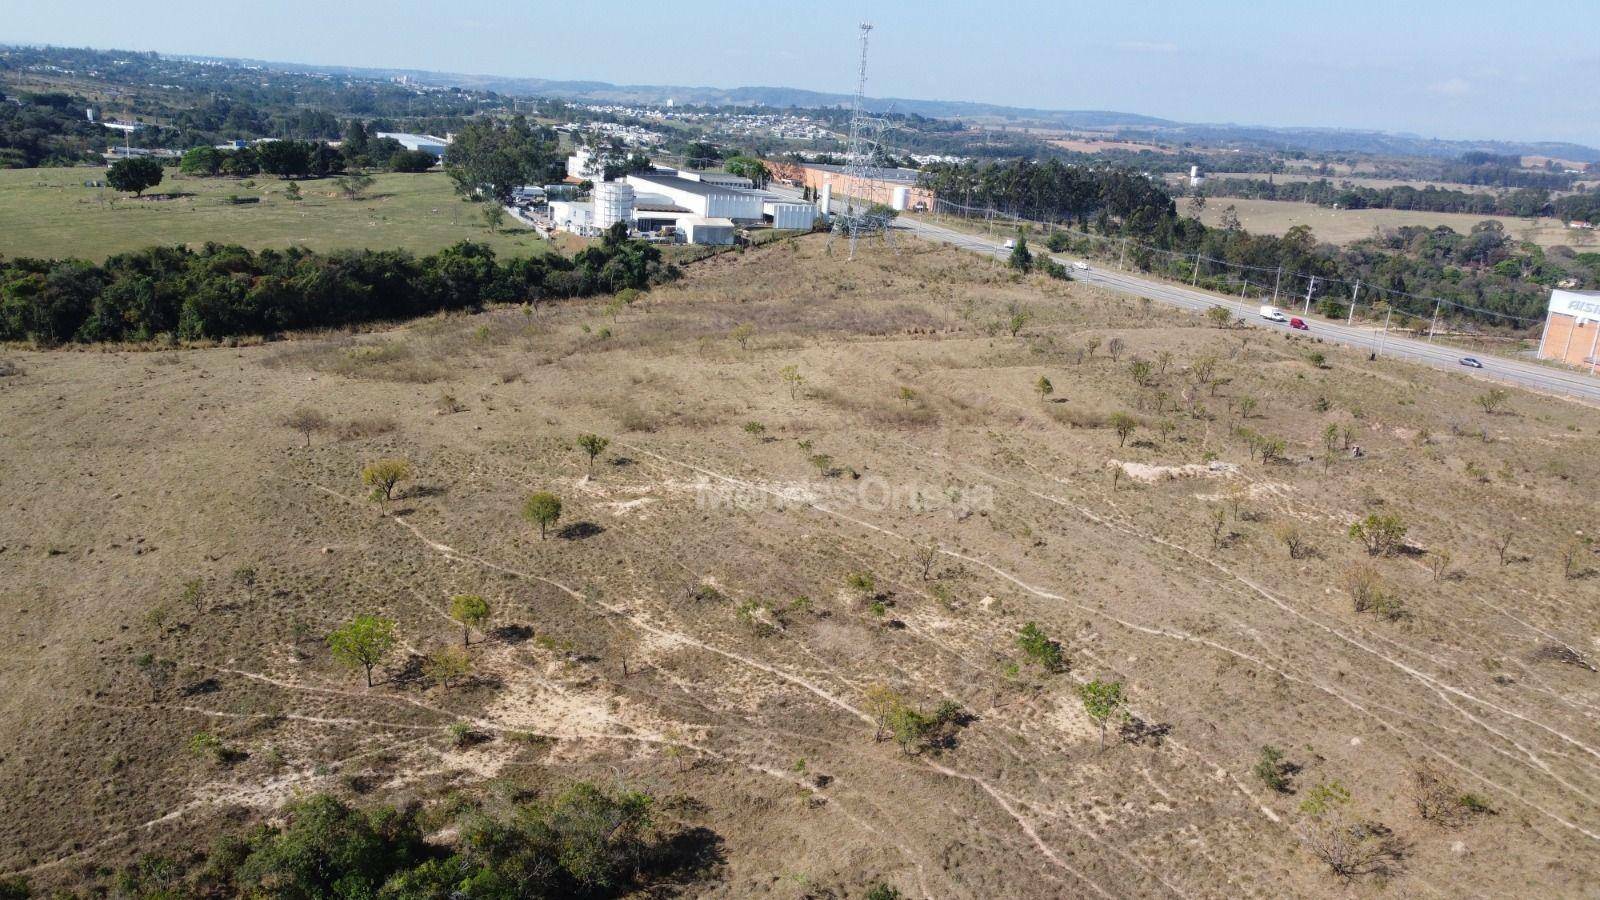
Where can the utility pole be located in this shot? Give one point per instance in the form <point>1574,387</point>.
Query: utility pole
<point>1195,279</point>
<point>1276,285</point>
<point>1309,288</point>
<point>1434,325</point>
<point>1385,339</point>
<point>1356,295</point>
<point>1123,256</point>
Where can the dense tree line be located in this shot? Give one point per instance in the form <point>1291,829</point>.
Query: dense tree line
<point>1053,190</point>
<point>1583,207</point>
<point>1483,269</point>
<point>1520,202</point>
<point>223,291</point>
<point>46,130</point>
<point>583,843</point>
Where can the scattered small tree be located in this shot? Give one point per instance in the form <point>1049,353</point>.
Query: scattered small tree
<point>1271,769</point>
<point>194,594</point>
<point>1294,540</point>
<point>1219,522</point>
<point>863,584</point>
<point>1502,546</point>
<point>542,508</point>
<point>307,421</point>
<point>1039,648</point>
<point>1382,535</point>
<point>926,555</point>
<point>447,664</point>
<point>1017,321</point>
<point>363,643</point>
<point>1220,316</point>
<point>494,216</point>
<point>755,429</point>
<point>1439,562</point>
<point>1043,387</point>
<point>1114,348</point>
<point>1572,554</point>
<point>882,701</point>
<point>1102,700</point>
<point>791,377</point>
<point>1330,444</point>
<point>1124,425</point>
<point>1143,372</point>
<point>353,186</point>
<point>1021,257</point>
<point>471,611</point>
<point>1091,345</point>
<point>593,445</point>
<point>383,477</point>
<point>742,334</point>
<point>1492,399</point>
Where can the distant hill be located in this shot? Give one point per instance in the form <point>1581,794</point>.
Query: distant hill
<point>1134,125</point>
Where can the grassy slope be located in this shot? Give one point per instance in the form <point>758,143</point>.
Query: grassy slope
<point>49,213</point>
<point>127,474</point>
<point>1341,226</point>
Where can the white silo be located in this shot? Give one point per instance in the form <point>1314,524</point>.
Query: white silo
<point>825,203</point>
<point>900,198</point>
<point>613,203</point>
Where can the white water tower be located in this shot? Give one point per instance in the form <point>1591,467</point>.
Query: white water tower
<point>613,203</point>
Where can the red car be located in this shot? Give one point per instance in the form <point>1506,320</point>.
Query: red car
<point>1299,323</point>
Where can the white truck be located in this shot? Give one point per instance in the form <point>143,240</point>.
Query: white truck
<point>1273,314</point>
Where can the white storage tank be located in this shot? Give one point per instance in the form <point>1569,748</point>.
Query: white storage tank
<point>900,199</point>
<point>613,202</point>
<point>825,202</point>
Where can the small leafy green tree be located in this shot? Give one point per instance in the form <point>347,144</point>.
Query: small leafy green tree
<point>1124,425</point>
<point>383,477</point>
<point>1271,770</point>
<point>1021,256</point>
<point>1492,399</point>
<point>1043,387</point>
<point>1102,700</point>
<point>447,664</point>
<point>1220,316</point>
<point>353,186</point>
<point>1039,648</point>
<point>791,377</point>
<point>471,611</point>
<point>364,642</point>
<point>1382,535</point>
<point>742,334</point>
<point>542,508</point>
<point>494,217</point>
<point>755,429</point>
<point>593,445</point>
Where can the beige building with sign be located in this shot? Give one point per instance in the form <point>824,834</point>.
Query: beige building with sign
<point>1572,329</point>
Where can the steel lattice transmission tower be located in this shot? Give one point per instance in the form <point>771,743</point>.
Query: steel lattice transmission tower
<point>855,220</point>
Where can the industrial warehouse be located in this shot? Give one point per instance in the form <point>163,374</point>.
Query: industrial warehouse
<point>688,206</point>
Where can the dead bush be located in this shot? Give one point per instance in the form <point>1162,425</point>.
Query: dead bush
<point>366,427</point>
<point>1439,800</point>
<point>1073,417</point>
<point>9,369</point>
<point>1368,594</point>
<point>1353,849</point>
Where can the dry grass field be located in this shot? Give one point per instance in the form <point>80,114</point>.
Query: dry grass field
<point>1341,226</point>
<point>172,557</point>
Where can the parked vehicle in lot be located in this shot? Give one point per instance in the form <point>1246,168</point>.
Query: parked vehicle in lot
<point>1273,314</point>
<point>1471,362</point>
<point>1299,323</point>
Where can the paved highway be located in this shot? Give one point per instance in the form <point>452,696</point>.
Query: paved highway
<point>1575,385</point>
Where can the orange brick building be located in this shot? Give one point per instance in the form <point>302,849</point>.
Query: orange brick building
<point>892,187</point>
<point>1572,329</point>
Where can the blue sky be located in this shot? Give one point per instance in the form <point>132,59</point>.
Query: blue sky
<point>1463,69</point>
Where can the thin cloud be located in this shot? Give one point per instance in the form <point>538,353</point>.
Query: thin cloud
<point>1450,87</point>
<point>1148,46</point>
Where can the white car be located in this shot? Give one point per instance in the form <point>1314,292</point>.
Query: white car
<point>1080,264</point>
<point>1009,245</point>
<point>1273,314</point>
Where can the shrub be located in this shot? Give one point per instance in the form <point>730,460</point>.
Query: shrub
<point>1039,648</point>
<point>1382,535</point>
